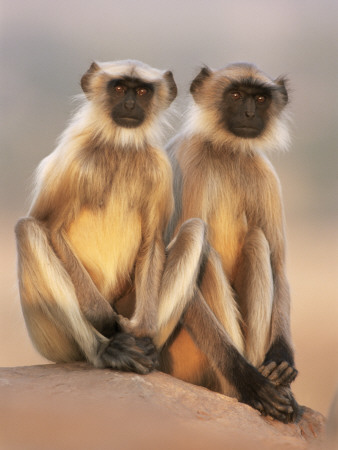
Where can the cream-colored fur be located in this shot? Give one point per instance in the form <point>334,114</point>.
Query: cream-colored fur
<point>94,232</point>
<point>228,182</point>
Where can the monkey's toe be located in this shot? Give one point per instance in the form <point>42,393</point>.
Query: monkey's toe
<point>275,401</point>
<point>282,405</point>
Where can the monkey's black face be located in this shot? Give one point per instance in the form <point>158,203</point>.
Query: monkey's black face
<point>245,110</point>
<point>129,101</point>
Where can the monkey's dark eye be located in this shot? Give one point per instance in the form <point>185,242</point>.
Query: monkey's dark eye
<point>260,98</point>
<point>120,89</point>
<point>141,91</point>
<point>236,95</point>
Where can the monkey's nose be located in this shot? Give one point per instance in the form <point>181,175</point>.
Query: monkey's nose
<point>129,104</point>
<point>250,114</point>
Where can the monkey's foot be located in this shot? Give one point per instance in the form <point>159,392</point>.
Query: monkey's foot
<point>129,353</point>
<point>297,410</point>
<point>275,401</point>
<point>288,414</point>
<point>281,374</point>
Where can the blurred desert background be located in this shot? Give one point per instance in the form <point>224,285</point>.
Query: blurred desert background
<point>45,48</point>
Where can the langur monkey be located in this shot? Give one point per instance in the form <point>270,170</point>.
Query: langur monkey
<point>92,242</point>
<point>239,319</point>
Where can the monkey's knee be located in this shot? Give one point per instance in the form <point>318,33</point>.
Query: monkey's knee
<point>256,243</point>
<point>52,342</point>
<point>24,226</point>
<point>30,235</point>
<point>185,256</point>
<point>255,261</point>
<point>191,233</point>
<point>194,228</point>
<point>188,248</point>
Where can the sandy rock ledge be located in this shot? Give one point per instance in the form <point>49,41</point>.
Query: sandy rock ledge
<point>75,406</point>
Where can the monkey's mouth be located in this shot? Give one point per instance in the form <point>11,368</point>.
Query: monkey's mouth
<point>246,132</point>
<point>128,122</point>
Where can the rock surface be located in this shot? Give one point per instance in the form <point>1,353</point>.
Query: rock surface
<point>75,406</point>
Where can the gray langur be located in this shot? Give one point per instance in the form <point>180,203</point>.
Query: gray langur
<point>92,243</point>
<point>234,335</point>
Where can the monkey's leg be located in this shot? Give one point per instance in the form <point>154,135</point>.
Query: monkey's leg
<point>188,255</point>
<point>217,292</point>
<point>254,288</point>
<point>53,316</point>
<point>181,356</point>
<point>254,285</point>
<point>204,328</point>
<point>278,364</point>
<point>185,255</point>
<point>93,305</point>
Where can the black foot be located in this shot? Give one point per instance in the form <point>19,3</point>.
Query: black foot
<point>275,401</point>
<point>129,353</point>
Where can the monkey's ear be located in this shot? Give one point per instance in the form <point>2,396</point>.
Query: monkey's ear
<point>199,80</point>
<point>281,82</point>
<point>169,78</point>
<point>85,80</point>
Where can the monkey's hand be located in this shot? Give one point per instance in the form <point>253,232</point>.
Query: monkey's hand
<point>128,353</point>
<point>260,393</point>
<point>281,374</point>
<point>278,365</point>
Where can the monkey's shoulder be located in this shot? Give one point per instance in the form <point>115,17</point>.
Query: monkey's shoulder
<point>259,168</point>
<point>154,168</point>
<point>157,157</point>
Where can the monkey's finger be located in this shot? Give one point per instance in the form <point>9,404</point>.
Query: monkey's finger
<point>283,374</point>
<point>292,376</point>
<point>287,376</point>
<point>266,370</point>
<point>278,371</point>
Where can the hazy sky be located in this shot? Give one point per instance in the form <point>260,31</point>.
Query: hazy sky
<point>48,45</point>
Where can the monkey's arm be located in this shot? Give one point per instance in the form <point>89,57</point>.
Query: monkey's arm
<point>278,364</point>
<point>93,305</point>
<point>151,256</point>
<point>57,202</point>
<point>148,274</point>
